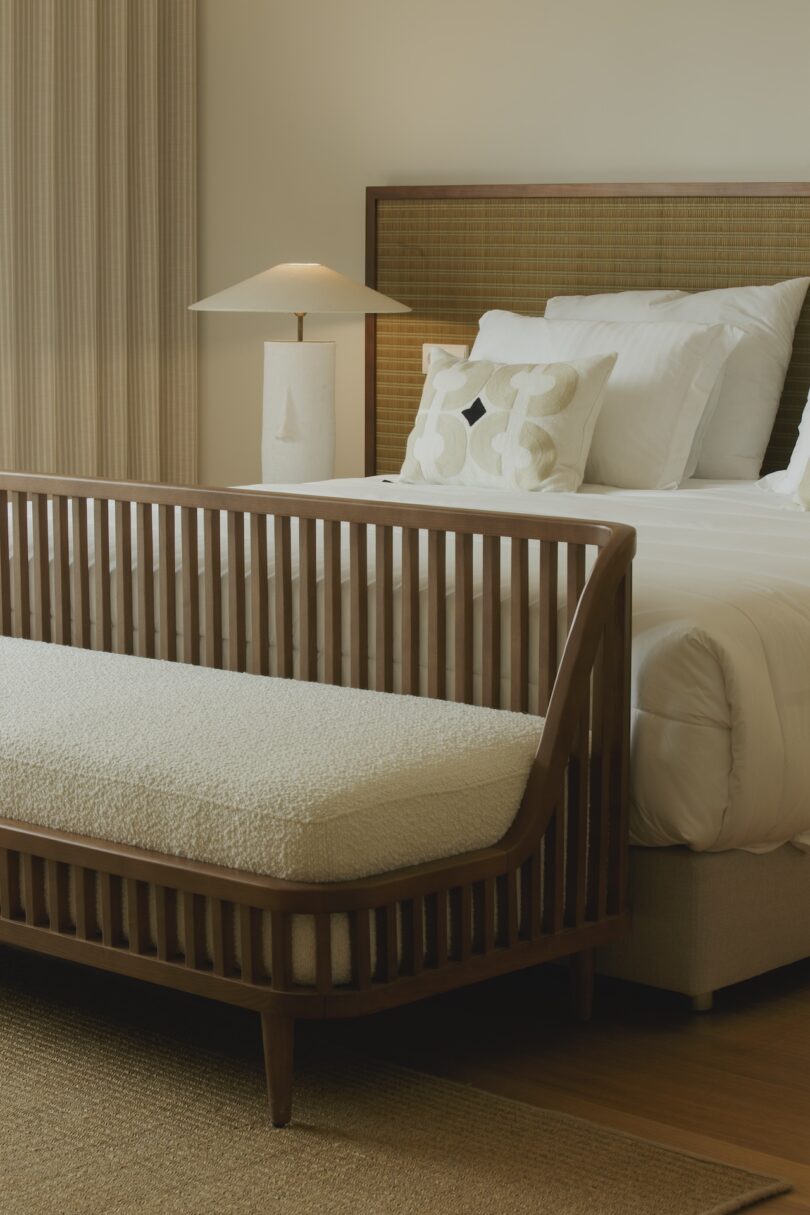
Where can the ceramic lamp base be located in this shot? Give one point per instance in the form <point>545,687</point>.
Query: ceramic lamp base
<point>298,415</point>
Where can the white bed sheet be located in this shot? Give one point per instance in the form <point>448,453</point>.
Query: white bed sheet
<point>721,650</point>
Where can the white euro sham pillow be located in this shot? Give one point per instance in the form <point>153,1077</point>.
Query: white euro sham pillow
<point>794,481</point>
<point>523,426</point>
<point>655,398</point>
<point>738,431</point>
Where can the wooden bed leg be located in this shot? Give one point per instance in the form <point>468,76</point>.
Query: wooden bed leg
<point>703,1003</point>
<point>277,1036</point>
<point>582,979</point>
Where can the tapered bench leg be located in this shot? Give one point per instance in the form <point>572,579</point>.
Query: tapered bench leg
<point>277,1036</point>
<point>582,980</point>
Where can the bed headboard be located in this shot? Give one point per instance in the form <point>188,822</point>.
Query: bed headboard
<point>452,252</point>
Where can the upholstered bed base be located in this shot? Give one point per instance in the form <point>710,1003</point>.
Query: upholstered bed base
<point>704,920</point>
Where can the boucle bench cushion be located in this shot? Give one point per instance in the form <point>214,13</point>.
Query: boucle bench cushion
<point>296,780</point>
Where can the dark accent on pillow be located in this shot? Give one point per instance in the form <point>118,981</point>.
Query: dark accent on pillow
<point>473,412</point>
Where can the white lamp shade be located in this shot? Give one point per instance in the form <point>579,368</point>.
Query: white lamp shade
<point>299,287</point>
<point>298,415</point>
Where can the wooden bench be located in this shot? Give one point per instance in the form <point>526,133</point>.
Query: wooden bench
<point>552,884</point>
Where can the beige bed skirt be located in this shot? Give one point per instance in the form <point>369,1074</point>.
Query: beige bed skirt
<point>703,920</point>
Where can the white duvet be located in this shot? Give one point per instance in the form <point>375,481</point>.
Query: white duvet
<point>721,651</point>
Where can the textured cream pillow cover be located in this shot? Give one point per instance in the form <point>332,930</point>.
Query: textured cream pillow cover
<point>522,426</point>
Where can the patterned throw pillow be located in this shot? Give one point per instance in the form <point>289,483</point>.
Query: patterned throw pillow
<point>526,426</point>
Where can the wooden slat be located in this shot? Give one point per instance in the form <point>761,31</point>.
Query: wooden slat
<point>507,904</point>
<point>323,952</point>
<point>145,577</point>
<point>599,783</point>
<point>283,596</point>
<point>259,601</point>
<point>102,582</point>
<point>491,622</point>
<point>194,930</point>
<point>332,606</point>
<point>489,904</point>
<point>10,908</point>
<point>20,565</point>
<point>384,608</point>
<point>620,750</point>
<point>549,575</point>
<point>307,601</point>
<point>167,584</point>
<point>222,932</point>
<point>57,884</point>
<point>41,570</point>
<point>519,626</point>
<point>111,909</point>
<point>460,902</point>
<point>437,614</point>
<point>463,618</point>
<point>5,567</point>
<point>280,950</point>
<point>439,928</point>
<point>123,578</point>
<point>387,967</point>
<point>531,895</point>
<point>413,935</point>
<point>166,923</point>
<point>137,915</point>
<point>61,571</point>
<point>577,775</point>
<point>554,873</point>
<point>87,926</point>
<point>213,588</point>
<point>189,540</point>
<point>360,941</point>
<point>33,889</point>
<point>410,611</point>
<point>80,567</point>
<point>358,599</point>
<point>237,637</point>
<point>250,941</point>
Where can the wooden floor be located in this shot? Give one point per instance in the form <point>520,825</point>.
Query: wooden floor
<point>733,1084</point>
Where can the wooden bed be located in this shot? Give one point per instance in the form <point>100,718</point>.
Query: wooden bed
<point>554,885</point>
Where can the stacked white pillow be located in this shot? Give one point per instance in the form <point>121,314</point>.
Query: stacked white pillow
<point>737,433</point>
<point>794,481</point>
<point>656,397</point>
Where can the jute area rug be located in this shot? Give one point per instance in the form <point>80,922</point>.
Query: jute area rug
<point>96,1119</point>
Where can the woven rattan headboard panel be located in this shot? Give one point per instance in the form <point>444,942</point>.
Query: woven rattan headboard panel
<point>453,252</point>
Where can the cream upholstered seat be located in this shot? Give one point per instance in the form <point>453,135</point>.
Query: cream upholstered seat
<point>296,780</point>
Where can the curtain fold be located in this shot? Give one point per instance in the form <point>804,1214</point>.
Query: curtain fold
<point>98,238</point>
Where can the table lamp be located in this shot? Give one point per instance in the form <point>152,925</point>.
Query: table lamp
<point>298,409</point>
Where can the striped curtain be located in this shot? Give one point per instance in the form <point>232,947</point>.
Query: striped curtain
<point>97,238</point>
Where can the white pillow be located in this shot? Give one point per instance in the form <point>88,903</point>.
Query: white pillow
<point>655,398</point>
<point>795,479</point>
<point>737,435</point>
<point>524,426</point>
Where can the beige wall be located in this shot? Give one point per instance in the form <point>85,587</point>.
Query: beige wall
<point>305,102</point>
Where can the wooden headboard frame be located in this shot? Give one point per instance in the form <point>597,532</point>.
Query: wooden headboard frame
<point>452,252</point>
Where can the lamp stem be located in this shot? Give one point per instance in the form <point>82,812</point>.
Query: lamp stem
<point>300,316</point>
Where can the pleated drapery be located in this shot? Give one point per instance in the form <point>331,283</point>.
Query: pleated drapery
<point>98,238</point>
